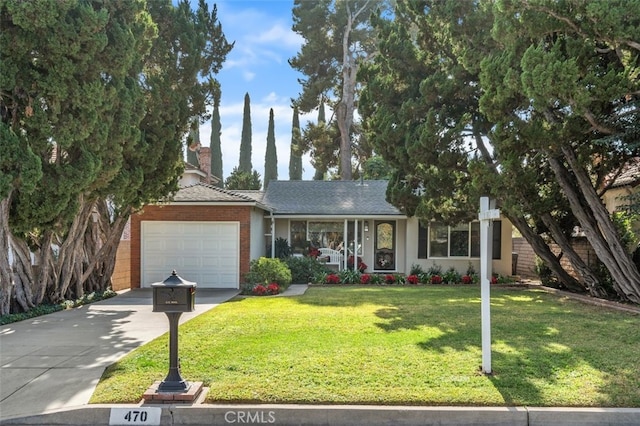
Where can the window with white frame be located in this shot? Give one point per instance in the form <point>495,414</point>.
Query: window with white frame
<point>460,241</point>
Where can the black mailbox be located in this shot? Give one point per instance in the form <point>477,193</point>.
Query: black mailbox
<point>174,294</point>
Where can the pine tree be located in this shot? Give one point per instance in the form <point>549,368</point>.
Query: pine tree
<point>193,144</point>
<point>271,155</point>
<point>295,158</point>
<point>245,141</point>
<point>215,145</point>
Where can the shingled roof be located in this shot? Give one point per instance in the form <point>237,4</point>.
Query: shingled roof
<point>336,197</point>
<point>629,175</point>
<point>201,192</point>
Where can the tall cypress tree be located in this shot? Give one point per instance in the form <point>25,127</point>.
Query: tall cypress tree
<point>271,156</point>
<point>245,141</point>
<point>295,157</point>
<point>321,167</point>
<point>216,150</point>
<point>193,144</point>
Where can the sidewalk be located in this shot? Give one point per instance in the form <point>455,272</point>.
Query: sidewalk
<point>55,361</point>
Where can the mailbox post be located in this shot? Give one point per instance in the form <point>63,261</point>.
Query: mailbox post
<point>173,296</point>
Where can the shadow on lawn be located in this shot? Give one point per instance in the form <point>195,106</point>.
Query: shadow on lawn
<point>541,345</point>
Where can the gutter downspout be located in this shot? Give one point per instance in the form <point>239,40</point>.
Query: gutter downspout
<point>273,236</point>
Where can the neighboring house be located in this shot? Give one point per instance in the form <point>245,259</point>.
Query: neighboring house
<point>210,235</point>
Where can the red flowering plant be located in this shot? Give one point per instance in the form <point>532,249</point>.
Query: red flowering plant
<point>313,252</point>
<point>467,279</point>
<point>273,288</point>
<point>259,290</point>
<point>494,280</point>
<point>413,279</point>
<point>332,279</point>
<point>390,279</point>
<point>361,265</point>
<point>365,279</point>
<point>436,279</point>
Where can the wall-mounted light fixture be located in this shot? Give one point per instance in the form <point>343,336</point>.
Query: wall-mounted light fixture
<point>366,226</point>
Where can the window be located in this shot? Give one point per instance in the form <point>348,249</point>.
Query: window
<point>463,240</point>
<point>303,234</point>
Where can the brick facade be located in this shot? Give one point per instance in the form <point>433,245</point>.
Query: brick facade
<point>241,214</point>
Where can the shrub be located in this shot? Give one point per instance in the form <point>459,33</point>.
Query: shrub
<point>265,270</point>
<point>413,279</point>
<point>349,276</point>
<point>365,278</point>
<point>390,279</point>
<point>416,270</point>
<point>305,269</point>
<point>332,279</point>
<point>361,265</point>
<point>259,290</point>
<point>376,279</point>
<point>436,279</point>
<point>451,276</point>
<point>273,288</point>
<point>467,279</point>
<point>434,270</point>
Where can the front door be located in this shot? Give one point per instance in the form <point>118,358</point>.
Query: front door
<point>385,246</point>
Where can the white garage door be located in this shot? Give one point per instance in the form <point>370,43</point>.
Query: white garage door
<point>205,252</point>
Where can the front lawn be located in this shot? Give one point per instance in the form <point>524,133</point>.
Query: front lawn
<point>397,345</point>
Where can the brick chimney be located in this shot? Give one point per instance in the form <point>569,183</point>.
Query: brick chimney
<point>205,162</point>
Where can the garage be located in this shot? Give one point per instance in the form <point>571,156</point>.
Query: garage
<point>205,252</point>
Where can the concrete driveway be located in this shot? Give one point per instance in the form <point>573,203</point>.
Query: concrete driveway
<point>56,360</point>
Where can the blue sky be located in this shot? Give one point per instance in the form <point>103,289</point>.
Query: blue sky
<point>258,65</point>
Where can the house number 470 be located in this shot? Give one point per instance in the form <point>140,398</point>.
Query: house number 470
<point>135,416</point>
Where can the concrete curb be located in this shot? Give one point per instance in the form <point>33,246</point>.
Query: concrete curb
<point>346,415</point>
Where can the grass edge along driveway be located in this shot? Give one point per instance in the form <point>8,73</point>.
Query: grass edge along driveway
<point>397,346</point>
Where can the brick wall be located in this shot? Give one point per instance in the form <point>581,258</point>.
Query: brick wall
<point>240,214</point>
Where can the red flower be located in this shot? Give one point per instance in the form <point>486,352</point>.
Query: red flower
<point>332,279</point>
<point>259,290</point>
<point>314,252</point>
<point>413,279</point>
<point>389,278</point>
<point>466,279</point>
<point>436,279</point>
<point>494,280</point>
<point>365,278</point>
<point>273,288</point>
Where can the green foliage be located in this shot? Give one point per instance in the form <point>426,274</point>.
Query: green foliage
<point>416,270</point>
<point>452,276</point>
<point>271,156</point>
<point>349,276</point>
<point>544,273</point>
<point>376,168</point>
<point>243,180</point>
<point>283,249</point>
<point>245,141</point>
<point>305,269</point>
<point>215,143</point>
<point>266,270</point>
<point>295,156</point>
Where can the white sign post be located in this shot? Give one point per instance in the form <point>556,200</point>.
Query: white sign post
<point>486,217</point>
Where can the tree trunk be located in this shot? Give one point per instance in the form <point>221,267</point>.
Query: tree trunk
<point>542,250</point>
<point>346,106</point>
<point>590,280</point>
<point>597,226</point>
<point>6,271</point>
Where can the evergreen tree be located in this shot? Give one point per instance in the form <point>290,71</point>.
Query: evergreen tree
<point>322,141</point>
<point>193,144</point>
<point>295,157</point>
<point>243,180</point>
<point>216,147</point>
<point>107,130</point>
<point>245,141</point>
<point>271,155</point>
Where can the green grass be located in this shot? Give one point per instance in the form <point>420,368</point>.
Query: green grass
<point>397,345</point>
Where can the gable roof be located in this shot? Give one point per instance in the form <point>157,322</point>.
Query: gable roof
<point>629,174</point>
<point>202,192</point>
<point>335,197</point>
